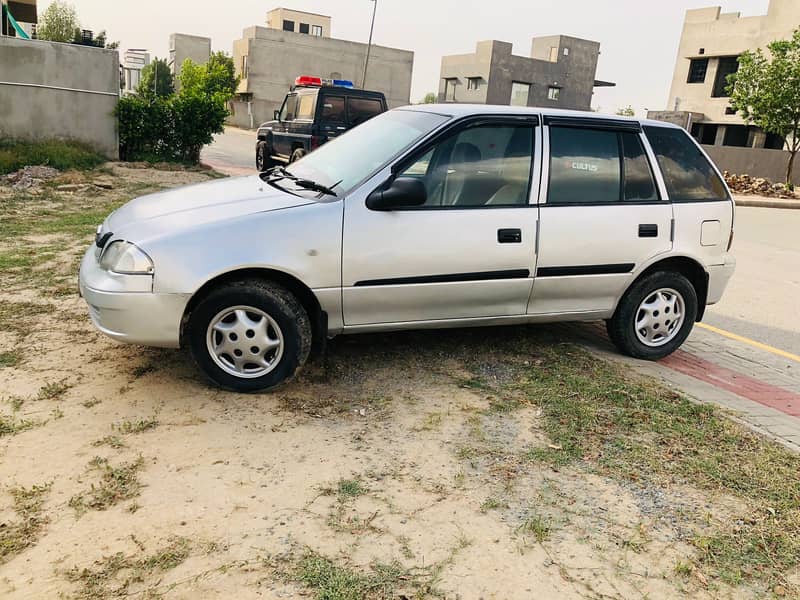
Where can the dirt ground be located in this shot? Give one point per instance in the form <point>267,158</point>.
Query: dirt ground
<point>124,474</point>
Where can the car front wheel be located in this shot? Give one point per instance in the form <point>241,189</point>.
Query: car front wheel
<point>249,336</point>
<point>263,157</point>
<point>655,316</point>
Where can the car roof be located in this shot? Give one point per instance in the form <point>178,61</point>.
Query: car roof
<point>468,110</point>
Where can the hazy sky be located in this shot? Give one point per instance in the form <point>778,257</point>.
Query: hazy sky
<point>638,38</point>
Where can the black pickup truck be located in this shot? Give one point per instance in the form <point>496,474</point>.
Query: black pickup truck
<point>313,112</point>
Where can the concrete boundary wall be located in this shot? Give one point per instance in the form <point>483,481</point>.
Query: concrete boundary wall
<point>756,162</point>
<point>64,91</point>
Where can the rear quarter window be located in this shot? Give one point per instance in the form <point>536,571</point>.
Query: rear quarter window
<point>363,109</point>
<point>333,109</point>
<point>688,174</point>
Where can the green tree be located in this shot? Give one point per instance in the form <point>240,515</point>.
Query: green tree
<point>430,98</point>
<point>58,23</point>
<point>766,91</point>
<point>216,79</point>
<point>156,81</point>
<point>626,112</point>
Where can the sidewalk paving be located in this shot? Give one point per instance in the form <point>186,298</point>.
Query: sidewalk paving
<point>765,202</point>
<point>761,390</point>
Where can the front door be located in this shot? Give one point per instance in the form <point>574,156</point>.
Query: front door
<point>602,218</point>
<point>281,143</point>
<point>469,252</point>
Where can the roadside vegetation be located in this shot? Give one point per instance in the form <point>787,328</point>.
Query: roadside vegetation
<point>59,154</point>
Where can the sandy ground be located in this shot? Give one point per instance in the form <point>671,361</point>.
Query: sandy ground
<point>247,483</point>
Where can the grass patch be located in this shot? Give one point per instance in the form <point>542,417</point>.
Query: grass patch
<point>350,488</point>
<point>634,429</point>
<point>59,154</point>
<point>113,441</point>
<point>331,581</point>
<point>11,358</point>
<point>139,426</point>
<point>24,533</point>
<point>537,527</point>
<point>117,483</point>
<point>53,390</point>
<point>12,426</point>
<point>113,576</point>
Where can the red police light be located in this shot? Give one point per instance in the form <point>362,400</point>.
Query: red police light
<point>308,81</point>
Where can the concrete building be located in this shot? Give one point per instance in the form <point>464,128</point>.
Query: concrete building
<point>269,59</point>
<point>24,12</point>
<point>133,61</point>
<point>560,72</point>
<point>183,46</point>
<point>296,21</point>
<point>710,44</point>
<point>51,90</point>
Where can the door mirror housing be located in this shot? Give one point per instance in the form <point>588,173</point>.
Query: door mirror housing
<point>276,114</point>
<point>403,192</point>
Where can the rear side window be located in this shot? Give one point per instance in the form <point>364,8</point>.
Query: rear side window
<point>584,166</point>
<point>363,109</point>
<point>305,108</point>
<point>333,109</point>
<point>688,175</point>
<point>589,166</point>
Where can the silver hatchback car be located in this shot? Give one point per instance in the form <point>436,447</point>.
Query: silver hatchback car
<point>433,216</point>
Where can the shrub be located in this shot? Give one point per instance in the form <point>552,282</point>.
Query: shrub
<point>175,128</point>
<point>59,154</point>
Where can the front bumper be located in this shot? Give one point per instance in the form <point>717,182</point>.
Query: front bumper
<point>138,316</point>
<point>718,278</point>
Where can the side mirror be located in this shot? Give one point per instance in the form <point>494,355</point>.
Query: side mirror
<point>276,115</point>
<point>403,192</point>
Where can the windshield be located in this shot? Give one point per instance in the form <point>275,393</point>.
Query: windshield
<point>351,158</point>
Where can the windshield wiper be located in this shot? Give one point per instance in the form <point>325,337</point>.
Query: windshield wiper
<point>276,173</point>
<point>308,184</point>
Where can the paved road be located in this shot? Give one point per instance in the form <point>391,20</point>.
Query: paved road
<point>233,152</point>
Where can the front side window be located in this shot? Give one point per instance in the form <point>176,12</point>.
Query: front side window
<point>363,109</point>
<point>289,110</point>
<point>688,175</point>
<point>697,70</point>
<point>357,154</point>
<point>519,93</point>
<point>488,165</point>
<point>333,109</point>
<point>450,89</point>
<point>305,108</point>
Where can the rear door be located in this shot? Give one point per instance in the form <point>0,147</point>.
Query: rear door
<point>601,215</point>
<point>331,115</point>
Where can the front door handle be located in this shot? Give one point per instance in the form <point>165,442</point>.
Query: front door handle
<point>509,236</point>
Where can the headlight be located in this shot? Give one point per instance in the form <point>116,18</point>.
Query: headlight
<point>125,258</point>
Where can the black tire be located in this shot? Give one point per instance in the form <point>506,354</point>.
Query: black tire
<point>264,157</point>
<point>278,304</point>
<point>622,326</point>
<point>297,154</point>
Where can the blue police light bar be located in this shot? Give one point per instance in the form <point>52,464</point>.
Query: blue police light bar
<point>343,83</point>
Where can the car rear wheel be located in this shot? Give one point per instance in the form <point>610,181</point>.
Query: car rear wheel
<point>249,336</point>
<point>297,154</point>
<point>655,316</point>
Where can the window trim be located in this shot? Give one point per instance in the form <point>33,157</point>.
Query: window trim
<point>283,25</point>
<point>605,125</point>
<point>455,127</point>
<point>474,83</point>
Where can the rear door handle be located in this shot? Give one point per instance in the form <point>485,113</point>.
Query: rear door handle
<point>509,236</point>
<point>648,230</point>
